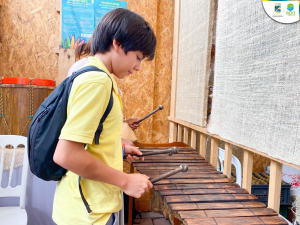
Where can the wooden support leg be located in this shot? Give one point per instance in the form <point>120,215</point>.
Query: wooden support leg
<point>176,221</point>
<point>247,170</point>
<point>275,185</point>
<point>202,145</point>
<point>214,152</point>
<point>130,207</point>
<point>193,139</point>
<point>179,133</point>
<point>173,132</point>
<point>227,160</point>
<point>186,135</point>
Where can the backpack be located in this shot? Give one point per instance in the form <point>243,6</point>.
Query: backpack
<point>46,126</point>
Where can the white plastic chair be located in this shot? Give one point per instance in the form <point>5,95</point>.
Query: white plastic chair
<point>235,162</point>
<point>14,215</point>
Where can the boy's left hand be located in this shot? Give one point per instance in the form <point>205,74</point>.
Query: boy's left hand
<point>131,123</point>
<point>132,150</point>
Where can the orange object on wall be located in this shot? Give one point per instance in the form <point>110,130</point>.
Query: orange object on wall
<point>25,80</point>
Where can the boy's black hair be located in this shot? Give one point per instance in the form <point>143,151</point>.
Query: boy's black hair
<point>129,29</point>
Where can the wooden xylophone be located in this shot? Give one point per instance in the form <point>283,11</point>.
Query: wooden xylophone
<point>202,195</point>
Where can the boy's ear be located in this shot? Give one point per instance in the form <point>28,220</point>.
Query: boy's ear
<point>116,45</point>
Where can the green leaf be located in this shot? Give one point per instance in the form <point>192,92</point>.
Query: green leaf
<point>62,43</point>
<point>68,42</point>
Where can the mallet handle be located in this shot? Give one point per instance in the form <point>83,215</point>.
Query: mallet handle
<point>173,150</point>
<point>182,168</point>
<point>159,108</point>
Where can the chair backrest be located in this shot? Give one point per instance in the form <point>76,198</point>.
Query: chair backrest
<point>20,190</point>
<point>235,162</point>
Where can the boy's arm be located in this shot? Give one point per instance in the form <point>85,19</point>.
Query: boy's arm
<point>72,156</point>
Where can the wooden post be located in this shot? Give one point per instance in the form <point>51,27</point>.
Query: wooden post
<point>193,139</point>
<point>173,132</point>
<point>57,5</point>
<point>247,170</point>
<point>179,133</point>
<point>130,207</point>
<point>66,60</point>
<point>202,145</point>
<point>227,160</point>
<point>214,152</point>
<point>275,186</point>
<point>186,135</point>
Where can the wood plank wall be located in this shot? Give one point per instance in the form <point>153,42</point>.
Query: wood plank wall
<point>29,30</point>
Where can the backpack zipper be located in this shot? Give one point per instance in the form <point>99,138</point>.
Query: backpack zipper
<point>42,115</point>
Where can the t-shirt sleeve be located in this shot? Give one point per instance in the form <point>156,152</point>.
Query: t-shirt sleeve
<point>85,110</point>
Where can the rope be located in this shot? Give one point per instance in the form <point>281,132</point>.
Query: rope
<point>1,107</point>
<point>30,105</point>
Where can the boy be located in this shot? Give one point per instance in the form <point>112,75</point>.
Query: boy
<point>120,42</point>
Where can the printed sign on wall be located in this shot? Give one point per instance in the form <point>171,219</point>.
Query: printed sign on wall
<point>79,18</point>
<point>282,11</point>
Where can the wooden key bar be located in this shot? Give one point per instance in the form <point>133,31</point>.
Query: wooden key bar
<point>203,191</point>
<point>218,205</point>
<point>264,220</point>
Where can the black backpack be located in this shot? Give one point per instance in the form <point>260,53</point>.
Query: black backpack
<point>45,130</point>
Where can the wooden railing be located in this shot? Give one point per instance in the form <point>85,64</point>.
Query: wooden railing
<point>176,128</point>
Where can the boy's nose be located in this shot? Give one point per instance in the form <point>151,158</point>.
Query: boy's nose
<point>137,67</point>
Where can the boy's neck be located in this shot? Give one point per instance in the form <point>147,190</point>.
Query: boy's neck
<point>105,59</point>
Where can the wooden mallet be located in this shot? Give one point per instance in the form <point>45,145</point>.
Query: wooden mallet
<point>171,151</point>
<point>182,168</point>
<point>160,107</point>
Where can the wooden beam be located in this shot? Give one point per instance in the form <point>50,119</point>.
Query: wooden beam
<point>204,130</point>
<point>275,186</point>
<point>57,45</point>
<point>185,135</point>
<point>179,133</point>
<point>193,139</point>
<point>247,170</point>
<point>214,152</point>
<point>65,60</point>
<point>175,57</point>
<point>202,145</point>
<point>173,132</point>
<point>227,160</point>
<point>57,5</point>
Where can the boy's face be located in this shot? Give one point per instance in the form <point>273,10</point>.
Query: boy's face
<point>125,64</point>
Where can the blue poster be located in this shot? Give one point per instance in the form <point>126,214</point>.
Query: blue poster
<point>80,18</point>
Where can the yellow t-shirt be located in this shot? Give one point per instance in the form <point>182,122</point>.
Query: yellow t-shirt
<point>88,100</point>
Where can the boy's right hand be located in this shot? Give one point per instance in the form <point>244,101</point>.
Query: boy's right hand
<point>136,185</point>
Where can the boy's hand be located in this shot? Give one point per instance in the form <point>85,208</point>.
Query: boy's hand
<point>131,123</point>
<point>131,150</point>
<point>136,185</point>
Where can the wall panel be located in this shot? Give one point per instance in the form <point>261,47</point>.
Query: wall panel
<point>29,29</point>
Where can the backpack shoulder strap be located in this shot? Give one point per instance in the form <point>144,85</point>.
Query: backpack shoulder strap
<point>107,111</point>
<point>110,103</point>
<point>84,70</point>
